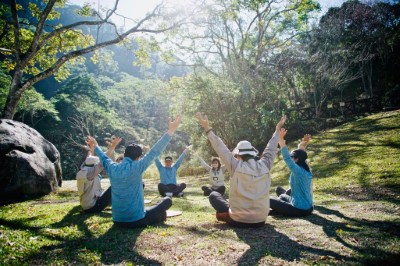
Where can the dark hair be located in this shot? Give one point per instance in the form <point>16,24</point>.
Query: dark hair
<point>301,155</point>
<point>246,157</point>
<point>168,158</point>
<point>133,151</point>
<point>213,159</point>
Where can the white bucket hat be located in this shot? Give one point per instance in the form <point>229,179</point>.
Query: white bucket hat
<point>244,147</point>
<point>91,161</point>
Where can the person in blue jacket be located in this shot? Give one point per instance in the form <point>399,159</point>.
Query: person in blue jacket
<point>299,202</point>
<point>168,185</point>
<point>127,186</point>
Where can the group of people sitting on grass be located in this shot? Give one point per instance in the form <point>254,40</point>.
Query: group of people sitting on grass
<point>249,202</point>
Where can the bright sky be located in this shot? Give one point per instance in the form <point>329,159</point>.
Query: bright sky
<point>137,8</point>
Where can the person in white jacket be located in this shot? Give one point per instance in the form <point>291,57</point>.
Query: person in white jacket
<point>91,196</point>
<point>216,176</point>
<point>248,204</point>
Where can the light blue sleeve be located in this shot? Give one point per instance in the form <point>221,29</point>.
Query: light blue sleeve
<point>293,167</point>
<point>107,163</point>
<point>154,152</point>
<point>158,163</point>
<point>180,160</point>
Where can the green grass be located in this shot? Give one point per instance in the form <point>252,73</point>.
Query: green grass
<point>356,190</point>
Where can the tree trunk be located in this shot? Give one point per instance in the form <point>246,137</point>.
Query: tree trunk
<point>13,96</point>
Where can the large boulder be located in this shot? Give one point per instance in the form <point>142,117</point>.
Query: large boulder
<point>29,164</point>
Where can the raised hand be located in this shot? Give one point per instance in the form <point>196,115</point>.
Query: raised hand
<point>188,147</point>
<point>114,142</point>
<point>281,122</point>
<point>173,125</point>
<point>203,121</point>
<point>307,138</point>
<point>282,134</point>
<point>92,142</point>
<point>303,144</point>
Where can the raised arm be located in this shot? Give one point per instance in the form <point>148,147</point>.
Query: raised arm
<point>304,143</point>
<point>271,151</point>
<point>104,159</point>
<point>112,145</point>
<point>178,162</point>
<point>160,146</point>
<point>219,146</point>
<point>202,162</point>
<point>293,167</point>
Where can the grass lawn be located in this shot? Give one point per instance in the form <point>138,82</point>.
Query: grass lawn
<point>356,220</point>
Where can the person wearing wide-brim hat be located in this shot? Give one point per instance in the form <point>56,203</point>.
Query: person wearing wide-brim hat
<point>248,204</point>
<point>88,180</point>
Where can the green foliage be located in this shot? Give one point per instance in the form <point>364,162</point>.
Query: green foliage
<point>355,219</point>
<point>32,107</point>
<point>50,47</point>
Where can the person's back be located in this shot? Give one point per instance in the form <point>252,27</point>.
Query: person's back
<point>127,191</point>
<point>91,196</point>
<point>248,204</point>
<point>88,190</point>
<point>126,180</point>
<point>127,186</point>
<point>249,192</point>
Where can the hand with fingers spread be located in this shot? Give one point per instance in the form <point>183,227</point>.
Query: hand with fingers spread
<point>112,145</point>
<point>174,124</point>
<point>203,121</point>
<point>91,142</point>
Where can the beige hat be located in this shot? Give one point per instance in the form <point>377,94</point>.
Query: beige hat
<point>91,160</point>
<point>245,147</point>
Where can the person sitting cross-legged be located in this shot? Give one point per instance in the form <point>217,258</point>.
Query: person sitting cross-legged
<point>168,184</point>
<point>248,204</point>
<point>299,201</point>
<point>126,181</point>
<point>302,146</point>
<point>91,196</point>
<point>216,176</point>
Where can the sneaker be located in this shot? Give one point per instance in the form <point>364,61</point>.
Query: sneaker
<point>280,191</point>
<point>180,194</point>
<point>169,194</point>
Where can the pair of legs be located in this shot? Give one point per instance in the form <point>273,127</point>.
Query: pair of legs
<point>171,188</point>
<point>156,213</point>
<point>283,206</point>
<point>207,190</point>
<point>221,205</point>
<point>101,202</point>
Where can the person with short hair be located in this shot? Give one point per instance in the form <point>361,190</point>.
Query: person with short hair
<point>299,200</point>
<point>126,181</point>
<point>216,176</point>
<point>248,204</point>
<point>168,184</point>
<point>91,196</point>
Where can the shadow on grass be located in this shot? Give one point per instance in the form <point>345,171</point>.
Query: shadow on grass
<point>115,246</point>
<point>341,231</point>
<point>266,241</point>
